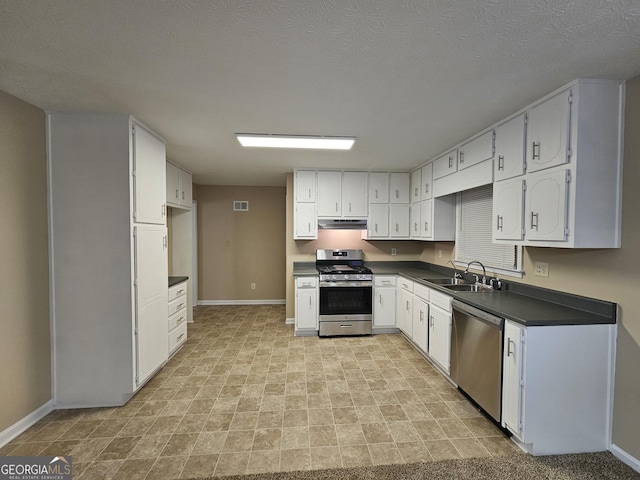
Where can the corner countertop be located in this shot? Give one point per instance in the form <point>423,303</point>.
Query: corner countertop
<point>524,304</point>
<point>176,280</point>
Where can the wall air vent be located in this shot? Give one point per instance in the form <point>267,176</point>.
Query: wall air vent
<point>240,206</point>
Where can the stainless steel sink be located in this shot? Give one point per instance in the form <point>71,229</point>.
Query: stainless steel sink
<point>448,281</point>
<point>473,287</point>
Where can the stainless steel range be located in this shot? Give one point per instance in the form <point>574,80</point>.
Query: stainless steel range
<point>346,293</point>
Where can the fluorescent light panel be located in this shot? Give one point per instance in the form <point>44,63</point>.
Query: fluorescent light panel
<point>295,141</point>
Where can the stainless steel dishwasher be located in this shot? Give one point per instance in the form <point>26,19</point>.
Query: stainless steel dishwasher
<point>476,356</point>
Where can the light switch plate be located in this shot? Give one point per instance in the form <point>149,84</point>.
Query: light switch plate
<point>542,269</point>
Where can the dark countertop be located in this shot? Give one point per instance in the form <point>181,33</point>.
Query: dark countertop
<point>176,280</point>
<point>524,304</point>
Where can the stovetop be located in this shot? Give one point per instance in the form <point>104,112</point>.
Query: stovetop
<point>326,269</point>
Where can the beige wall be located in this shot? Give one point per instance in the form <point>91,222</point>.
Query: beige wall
<point>236,249</point>
<point>25,353</point>
<point>611,275</point>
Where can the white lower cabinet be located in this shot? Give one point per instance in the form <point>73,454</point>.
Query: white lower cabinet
<point>405,306</point>
<point>420,317</point>
<point>306,306</point>
<point>440,330</point>
<point>384,301</point>
<point>177,316</point>
<point>557,386</point>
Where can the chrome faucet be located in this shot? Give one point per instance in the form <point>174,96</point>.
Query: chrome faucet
<point>484,271</point>
<point>455,270</point>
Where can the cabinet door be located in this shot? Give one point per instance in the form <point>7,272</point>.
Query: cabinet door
<point>151,272</point>
<point>173,184</point>
<point>548,133</point>
<point>440,337</point>
<point>405,313</point>
<point>426,219</point>
<point>416,185</point>
<point>415,220</point>
<point>508,210</point>
<point>510,147</point>
<point>512,385</point>
<point>305,222</point>
<point>149,176</point>
<point>305,185</point>
<point>399,187</point>
<point>378,187</point>
<point>445,165</point>
<point>420,323</point>
<point>477,150</point>
<point>384,307</point>
<point>378,221</point>
<point>306,309</point>
<point>546,204</point>
<point>426,180</point>
<point>399,221</point>
<point>186,186</point>
<point>354,194</point>
<point>330,194</point>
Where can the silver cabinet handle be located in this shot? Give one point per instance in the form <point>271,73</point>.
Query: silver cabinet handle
<point>183,194</point>
<point>426,226</point>
<point>162,210</point>
<point>534,224</point>
<point>397,193</point>
<point>450,162</point>
<point>180,306</point>
<point>397,227</point>
<point>415,227</point>
<point>180,292</point>
<point>509,342</point>
<point>180,337</point>
<point>349,207</point>
<point>176,193</point>
<point>431,325</point>
<point>421,316</point>
<point>336,207</point>
<point>376,228</point>
<point>500,162</point>
<point>416,192</point>
<point>461,156</point>
<point>426,188</point>
<point>164,241</point>
<point>407,307</point>
<point>499,223</point>
<point>309,301</point>
<point>535,151</point>
<point>309,192</point>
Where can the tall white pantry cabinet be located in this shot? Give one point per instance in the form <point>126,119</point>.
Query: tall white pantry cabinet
<point>109,257</point>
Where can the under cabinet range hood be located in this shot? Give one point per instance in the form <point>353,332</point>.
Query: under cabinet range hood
<point>342,224</point>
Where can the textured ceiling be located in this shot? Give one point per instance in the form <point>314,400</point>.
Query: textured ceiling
<point>409,78</point>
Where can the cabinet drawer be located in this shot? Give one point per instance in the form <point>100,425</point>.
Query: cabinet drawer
<point>441,300</point>
<point>384,281</point>
<point>177,291</point>
<point>421,291</point>
<point>177,337</point>
<point>178,304</point>
<point>177,318</point>
<point>306,282</point>
<point>406,284</point>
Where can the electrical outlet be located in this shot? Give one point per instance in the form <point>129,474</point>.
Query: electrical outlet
<point>439,253</point>
<point>542,269</point>
<point>393,251</point>
<point>253,286</point>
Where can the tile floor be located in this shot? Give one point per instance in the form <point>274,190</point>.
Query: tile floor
<point>245,396</point>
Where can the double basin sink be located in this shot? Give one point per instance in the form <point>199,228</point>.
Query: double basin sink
<point>459,285</point>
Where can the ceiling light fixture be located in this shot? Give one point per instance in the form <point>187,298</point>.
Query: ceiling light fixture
<point>295,141</point>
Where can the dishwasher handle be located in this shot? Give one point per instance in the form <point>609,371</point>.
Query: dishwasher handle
<point>496,322</point>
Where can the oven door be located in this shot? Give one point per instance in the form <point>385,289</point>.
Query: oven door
<point>346,299</point>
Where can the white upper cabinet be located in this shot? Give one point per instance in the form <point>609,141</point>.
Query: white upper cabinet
<point>329,194</point>
<point>399,187</point>
<point>548,133</point>
<point>378,187</point>
<point>305,223</point>
<point>305,186</point>
<point>399,221</point>
<point>508,202</point>
<point>415,220</point>
<point>426,180</point>
<point>416,185</point>
<point>378,221</point>
<point>149,181</point>
<point>475,151</point>
<point>354,194</point>
<point>510,146</point>
<point>446,164</point>
<point>546,206</point>
<point>179,187</point>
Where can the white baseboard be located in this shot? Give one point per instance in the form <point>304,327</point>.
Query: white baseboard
<point>242,302</point>
<point>290,321</point>
<point>22,425</point>
<point>624,457</point>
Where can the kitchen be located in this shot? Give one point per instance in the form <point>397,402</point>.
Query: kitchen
<point>606,274</point>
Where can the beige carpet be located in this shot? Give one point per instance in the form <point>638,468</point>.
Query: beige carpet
<point>594,466</point>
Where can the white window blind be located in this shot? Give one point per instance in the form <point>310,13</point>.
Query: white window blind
<point>473,232</point>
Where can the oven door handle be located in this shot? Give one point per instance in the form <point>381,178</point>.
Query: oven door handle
<point>346,284</point>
